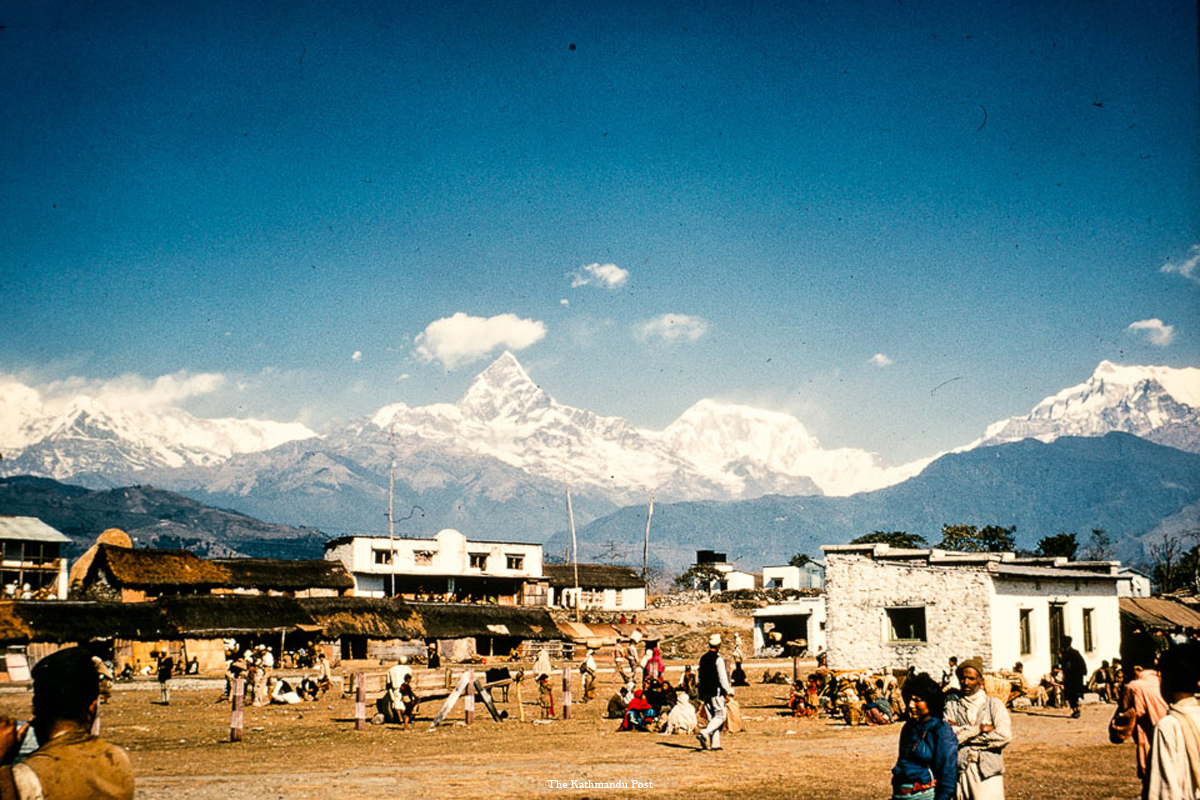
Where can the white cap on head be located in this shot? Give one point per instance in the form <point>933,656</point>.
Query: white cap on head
<point>403,659</point>
<point>714,640</point>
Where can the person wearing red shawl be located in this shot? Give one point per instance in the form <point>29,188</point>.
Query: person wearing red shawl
<point>638,714</point>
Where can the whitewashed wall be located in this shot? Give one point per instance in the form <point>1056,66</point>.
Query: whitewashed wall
<point>1010,595</point>
<point>957,602</point>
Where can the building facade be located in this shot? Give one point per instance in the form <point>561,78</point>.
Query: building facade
<point>31,562</point>
<point>447,567</point>
<point>809,576</point>
<point>895,608</point>
<point>798,624</point>
<point>604,587</point>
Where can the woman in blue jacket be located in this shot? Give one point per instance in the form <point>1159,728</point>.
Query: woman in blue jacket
<point>927,768</point>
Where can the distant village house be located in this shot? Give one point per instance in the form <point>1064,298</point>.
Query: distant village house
<point>603,587</point>
<point>31,563</point>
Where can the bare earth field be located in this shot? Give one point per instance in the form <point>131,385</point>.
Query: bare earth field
<point>183,751</point>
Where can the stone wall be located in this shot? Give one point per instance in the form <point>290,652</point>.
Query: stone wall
<point>859,590</point>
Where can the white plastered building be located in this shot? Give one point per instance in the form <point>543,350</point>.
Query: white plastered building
<point>446,567</point>
<point>896,608</point>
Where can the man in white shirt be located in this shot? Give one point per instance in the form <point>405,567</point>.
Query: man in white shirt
<point>1174,768</point>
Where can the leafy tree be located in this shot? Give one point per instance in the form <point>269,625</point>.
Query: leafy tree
<point>799,560</point>
<point>910,541</point>
<point>702,576</point>
<point>1060,544</point>
<point>969,539</point>
<point>1175,566</point>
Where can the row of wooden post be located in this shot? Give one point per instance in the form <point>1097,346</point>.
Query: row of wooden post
<point>238,690</point>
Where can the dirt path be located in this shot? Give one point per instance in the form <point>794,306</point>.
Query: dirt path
<point>182,751</point>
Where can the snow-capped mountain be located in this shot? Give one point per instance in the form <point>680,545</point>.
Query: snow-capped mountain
<point>85,434</point>
<point>1161,404</point>
<point>714,451</point>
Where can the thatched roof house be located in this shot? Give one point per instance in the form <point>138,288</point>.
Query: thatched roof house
<point>134,575</point>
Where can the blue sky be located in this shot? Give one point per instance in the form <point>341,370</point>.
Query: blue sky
<point>984,193</point>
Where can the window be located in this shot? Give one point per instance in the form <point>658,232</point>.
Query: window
<point>423,558</point>
<point>906,624</point>
<point>479,560</point>
<point>1089,640</point>
<point>515,561</point>
<point>383,556</point>
<point>1026,626</point>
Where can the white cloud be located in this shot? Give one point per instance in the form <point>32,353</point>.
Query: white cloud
<point>1155,331</point>
<point>880,360</point>
<point>461,339</point>
<point>672,328</point>
<point>1190,268</point>
<point>356,355</point>
<point>403,377</point>
<point>609,276</point>
<point>135,391</point>
<point>564,302</point>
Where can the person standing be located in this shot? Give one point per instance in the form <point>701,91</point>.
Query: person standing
<point>983,729</point>
<point>1074,670</point>
<point>926,768</point>
<point>587,672</point>
<point>714,688</point>
<point>166,666</point>
<point>1174,767</point>
<point>1141,705</point>
<point>70,762</point>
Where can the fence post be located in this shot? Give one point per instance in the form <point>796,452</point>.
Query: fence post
<point>566,672</point>
<point>795,668</point>
<point>469,698</point>
<point>239,703</point>
<point>360,702</point>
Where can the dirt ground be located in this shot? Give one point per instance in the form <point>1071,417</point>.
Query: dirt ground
<point>183,751</point>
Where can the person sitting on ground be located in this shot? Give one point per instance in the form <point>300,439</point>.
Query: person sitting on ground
<point>308,689</point>
<point>878,710</point>
<point>688,682</point>
<point>70,762</point>
<point>281,692</point>
<point>639,714</point>
<point>1018,683</point>
<point>738,676</point>
<point>682,717</point>
<point>619,701</point>
<point>1051,688</point>
<point>798,701</point>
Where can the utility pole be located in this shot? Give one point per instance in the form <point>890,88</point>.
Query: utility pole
<point>391,501</point>
<point>574,553</point>
<point>646,543</point>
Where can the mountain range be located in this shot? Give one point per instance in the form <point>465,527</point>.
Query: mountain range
<point>496,463</point>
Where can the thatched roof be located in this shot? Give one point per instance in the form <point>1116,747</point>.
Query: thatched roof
<point>212,616</point>
<point>158,569</point>
<point>456,620</point>
<point>1159,613</point>
<point>113,536</point>
<point>284,574</point>
<point>378,618</point>
<point>147,568</point>
<point>593,576</point>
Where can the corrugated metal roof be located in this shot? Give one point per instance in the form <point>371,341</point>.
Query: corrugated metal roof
<point>1155,612</point>
<point>30,529</point>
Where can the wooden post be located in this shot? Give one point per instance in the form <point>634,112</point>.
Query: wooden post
<point>566,703</point>
<point>239,703</point>
<point>520,704</point>
<point>469,697</point>
<point>360,702</point>
<point>795,668</point>
<point>96,724</point>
